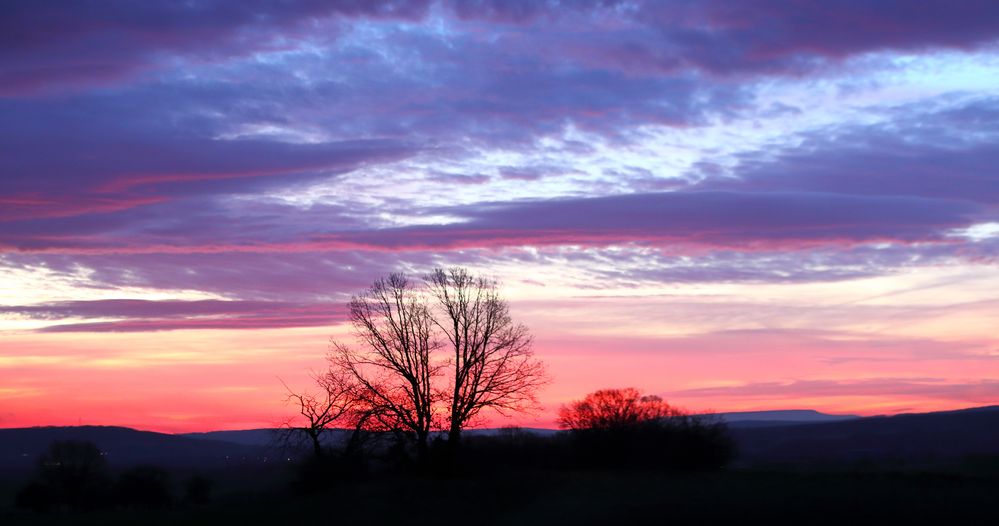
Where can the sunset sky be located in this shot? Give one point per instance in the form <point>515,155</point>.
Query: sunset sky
<point>735,205</point>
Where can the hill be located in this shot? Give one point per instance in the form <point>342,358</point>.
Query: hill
<point>762,437</point>
<point>246,437</point>
<point>269,437</point>
<point>915,437</point>
<point>779,418</point>
<point>20,448</point>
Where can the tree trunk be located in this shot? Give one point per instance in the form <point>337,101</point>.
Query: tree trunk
<point>317,448</point>
<point>422,448</point>
<point>454,435</point>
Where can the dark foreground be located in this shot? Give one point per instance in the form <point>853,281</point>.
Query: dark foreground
<point>965,494</point>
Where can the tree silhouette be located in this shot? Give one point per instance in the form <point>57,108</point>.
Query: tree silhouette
<point>71,473</point>
<point>144,487</point>
<point>434,354</point>
<point>337,403</point>
<point>614,409</point>
<point>622,427</point>
<point>491,362</point>
<point>394,366</point>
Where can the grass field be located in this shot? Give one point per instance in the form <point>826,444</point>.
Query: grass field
<point>956,496</point>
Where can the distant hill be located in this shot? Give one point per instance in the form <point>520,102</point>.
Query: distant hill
<point>762,437</point>
<point>20,448</point>
<point>246,437</point>
<point>784,417</point>
<point>268,437</point>
<point>911,437</point>
<point>539,431</point>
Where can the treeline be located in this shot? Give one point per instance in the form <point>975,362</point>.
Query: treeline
<point>74,476</point>
<point>609,429</point>
<point>433,355</point>
<point>613,429</point>
<point>679,444</point>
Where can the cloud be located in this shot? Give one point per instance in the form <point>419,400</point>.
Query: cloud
<point>637,265</point>
<point>305,277</point>
<point>175,172</point>
<point>927,171</point>
<point>94,174</point>
<point>922,150</point>
<point>779,37</point>
<point>711,219</point>
<point>161,315</point>
<point>70,44</point>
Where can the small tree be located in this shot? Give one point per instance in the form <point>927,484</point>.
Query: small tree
<point>614,409</point>
<point>623,427</point>
<point>144,487</point>
<point>337,403</point>
<point>73,474</point>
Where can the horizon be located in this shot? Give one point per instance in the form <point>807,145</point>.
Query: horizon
<point>734,207</point>
<point>553,427</point>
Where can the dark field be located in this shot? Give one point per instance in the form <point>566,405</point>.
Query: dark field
<point>932,468</point>
<point>961,494</point>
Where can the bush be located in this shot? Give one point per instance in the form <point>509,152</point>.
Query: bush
<point>198,490</point>
<point>623,428</point>
<point>72,475</point>
<point>36,497</point>
<point>144,487</point>
<point>316,474</point>
<point>681,442</point>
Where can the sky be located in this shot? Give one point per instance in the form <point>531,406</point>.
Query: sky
<point>735,205</point>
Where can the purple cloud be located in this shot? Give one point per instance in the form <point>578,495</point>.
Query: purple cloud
<point>76,44</point>
<point>305,277</point>
<point>709,219</point>
<point>934,153</point>
<point>751,220</point>
<point>723,38</point>
<point>147,315</point>
<point>106,166</point>
<point>133,178</point>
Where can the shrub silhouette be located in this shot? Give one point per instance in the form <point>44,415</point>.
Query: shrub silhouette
<point>622,427</point>
<point>198,490</point>
<point>72,474</point>
<point>36,497</point>
<point>144,487</point>
<point>328,471</point>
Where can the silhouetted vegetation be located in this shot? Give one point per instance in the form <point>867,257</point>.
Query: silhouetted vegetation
<point>198,490</point>
<point>72,474</point>
<point>144,487</point>
<point>75,476</point>
<point>339,402</point>
<point>524,476</point>
<point>622,427</point>
<point>429,357</point>
<point>491,361</point>
<point>610,429</point>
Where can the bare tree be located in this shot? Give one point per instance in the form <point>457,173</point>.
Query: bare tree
<point>491,362</point>
<point>337,403</point>
<point>395,366</point>
<point>433,354</point>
